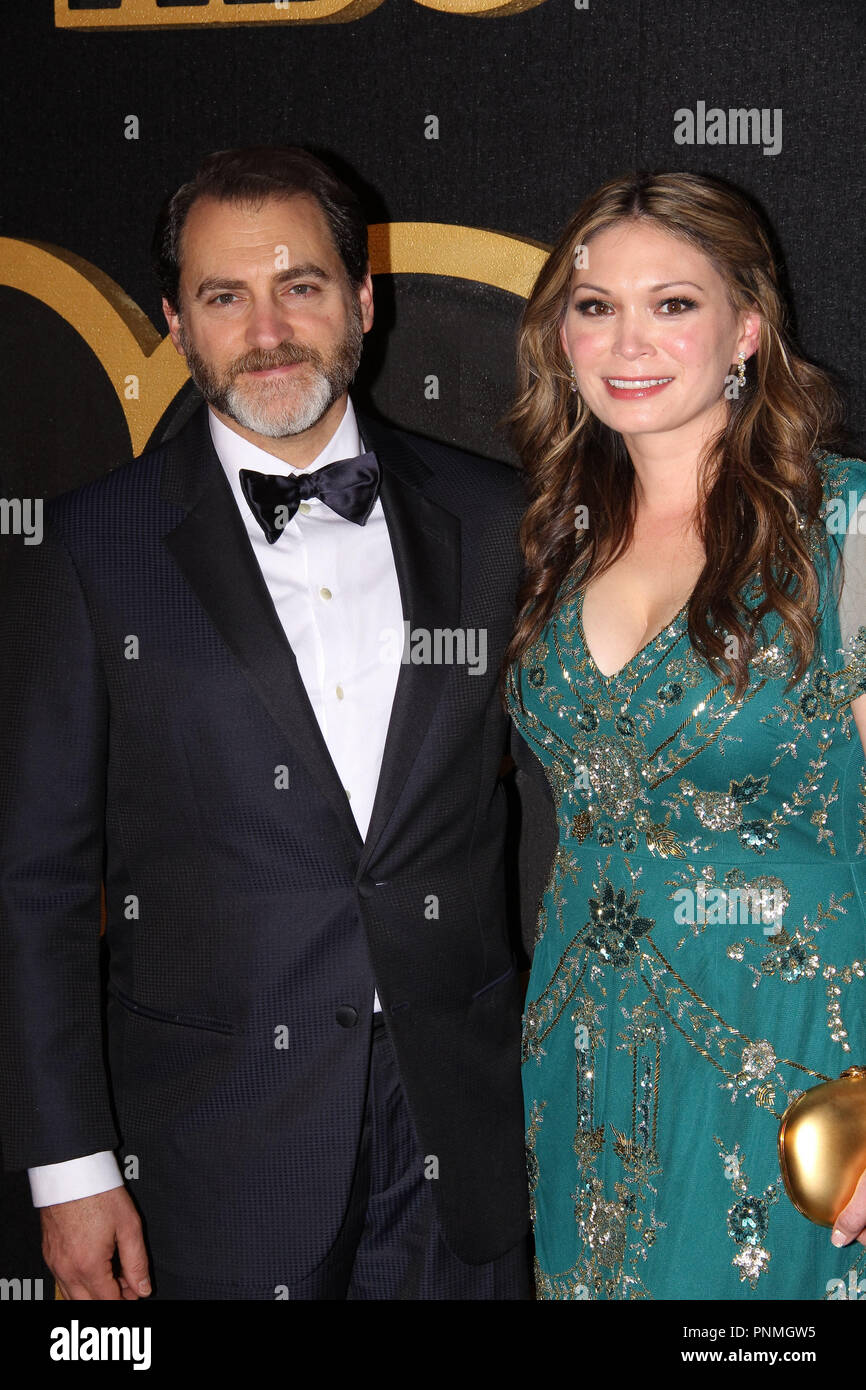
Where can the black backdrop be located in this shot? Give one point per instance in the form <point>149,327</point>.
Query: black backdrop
<point>535,108</point>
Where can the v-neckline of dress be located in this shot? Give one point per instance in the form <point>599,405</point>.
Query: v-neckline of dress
<point>615,675</point>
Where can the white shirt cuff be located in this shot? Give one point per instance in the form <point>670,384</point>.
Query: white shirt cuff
<point>76,1177</point>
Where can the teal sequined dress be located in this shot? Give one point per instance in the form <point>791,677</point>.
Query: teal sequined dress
<point>700,952</point>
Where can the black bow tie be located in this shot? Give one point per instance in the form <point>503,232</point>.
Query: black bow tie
<point>349,487</point>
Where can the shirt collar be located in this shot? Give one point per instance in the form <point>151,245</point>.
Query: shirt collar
<point>234,452</point>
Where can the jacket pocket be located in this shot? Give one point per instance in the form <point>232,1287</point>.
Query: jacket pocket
<point>209,1025</point>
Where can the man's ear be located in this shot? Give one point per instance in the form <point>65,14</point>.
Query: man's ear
<point>172,318</point>
<point>365,300</point>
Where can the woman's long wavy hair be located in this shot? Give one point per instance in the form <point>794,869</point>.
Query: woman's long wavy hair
<point>759,485</point>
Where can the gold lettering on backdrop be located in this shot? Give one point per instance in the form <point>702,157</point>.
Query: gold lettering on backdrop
<point>147,14</point>
<point>489,9</point>
<point>126,343</point>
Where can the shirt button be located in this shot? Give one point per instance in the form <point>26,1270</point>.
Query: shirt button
<point>304,507</point>
<point>339,692</point>
<point>325,593</point>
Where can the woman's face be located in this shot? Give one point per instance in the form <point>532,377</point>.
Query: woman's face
<point>652,334</point>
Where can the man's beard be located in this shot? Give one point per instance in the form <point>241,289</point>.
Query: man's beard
<point>277,407</point>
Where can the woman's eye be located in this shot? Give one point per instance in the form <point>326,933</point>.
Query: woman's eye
<point>601,308</point>
<point>593,307</point>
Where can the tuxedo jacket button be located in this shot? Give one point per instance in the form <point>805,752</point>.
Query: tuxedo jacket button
<point>366,888</point>
<point>346,1016</point>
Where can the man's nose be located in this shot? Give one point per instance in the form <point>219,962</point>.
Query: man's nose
<point>268,324</point>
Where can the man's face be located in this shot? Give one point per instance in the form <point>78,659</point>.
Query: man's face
<point>268,321</point>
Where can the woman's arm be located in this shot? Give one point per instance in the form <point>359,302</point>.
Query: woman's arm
<point>851,1223</point>
<point>858,709</point>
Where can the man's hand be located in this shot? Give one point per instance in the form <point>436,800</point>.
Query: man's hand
<point>78,1241</point>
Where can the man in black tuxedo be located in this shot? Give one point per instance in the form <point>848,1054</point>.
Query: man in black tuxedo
<point>250,683</point>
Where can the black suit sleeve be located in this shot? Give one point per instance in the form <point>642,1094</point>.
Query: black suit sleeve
<point>538,835</point>
<point>54,1096</point>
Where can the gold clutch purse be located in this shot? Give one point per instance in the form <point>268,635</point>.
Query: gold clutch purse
<point>822,1146</point>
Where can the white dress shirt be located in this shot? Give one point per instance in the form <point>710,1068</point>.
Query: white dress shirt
<point>334,586</point>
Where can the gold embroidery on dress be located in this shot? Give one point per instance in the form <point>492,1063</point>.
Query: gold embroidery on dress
<point>535,1120</point>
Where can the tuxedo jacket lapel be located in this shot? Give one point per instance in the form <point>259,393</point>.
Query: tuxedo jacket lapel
<point>211,547</point>
<point>425,540</point>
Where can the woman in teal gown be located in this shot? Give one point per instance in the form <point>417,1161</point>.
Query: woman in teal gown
<point>688,669</point>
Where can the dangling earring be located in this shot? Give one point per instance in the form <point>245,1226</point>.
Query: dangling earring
<point>741,369</point>
<point>573,380</point>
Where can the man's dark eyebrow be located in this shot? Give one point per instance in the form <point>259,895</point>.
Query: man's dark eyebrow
<point>294,272</point>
